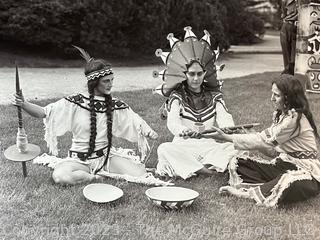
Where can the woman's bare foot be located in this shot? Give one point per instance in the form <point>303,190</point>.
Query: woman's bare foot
<point>242,192</point>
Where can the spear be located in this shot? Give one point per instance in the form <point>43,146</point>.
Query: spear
<point>22,140</point>
<point>19,92</point>
<point>22,151</point>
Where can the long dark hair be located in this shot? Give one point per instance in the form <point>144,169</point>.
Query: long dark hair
<point>294,97</point>
<point>92,66</point>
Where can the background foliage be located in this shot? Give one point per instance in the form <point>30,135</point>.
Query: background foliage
<point>121,27</point>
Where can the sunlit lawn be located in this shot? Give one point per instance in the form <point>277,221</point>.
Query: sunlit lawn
<point>36,208</point>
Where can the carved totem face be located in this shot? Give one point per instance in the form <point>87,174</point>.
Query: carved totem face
<point>315,18</point>
<point>314,77</point>
<point>314,72</point>
<point>314,29</point>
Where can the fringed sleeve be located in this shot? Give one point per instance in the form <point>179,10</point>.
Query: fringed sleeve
<point>130,126</point>
<point>57,122</point>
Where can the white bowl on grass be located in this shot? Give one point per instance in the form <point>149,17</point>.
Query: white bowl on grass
<point>171,197</point>
<point>102,193</point>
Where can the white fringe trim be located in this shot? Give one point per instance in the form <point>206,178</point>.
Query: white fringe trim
<point>143,144</point>
<point>307,169</point>
<point>50,161</point>
<point>272,200</point>
<point>312,166</point>
<point>285,181</point>
<point>147,179</point>
<point>235,180</point>
<point>256,194</point>
<point>50,135</point>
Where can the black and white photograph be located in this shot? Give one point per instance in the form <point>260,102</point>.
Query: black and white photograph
<point>159,119</point>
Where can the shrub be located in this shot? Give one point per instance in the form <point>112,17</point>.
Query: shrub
<point>121,27</point>
<point>242,27</point>
<point>40,23</point>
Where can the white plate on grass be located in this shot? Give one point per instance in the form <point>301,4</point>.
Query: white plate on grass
<point>102,193</point>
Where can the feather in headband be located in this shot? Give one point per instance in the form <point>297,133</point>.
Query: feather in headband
<point>95,74</point>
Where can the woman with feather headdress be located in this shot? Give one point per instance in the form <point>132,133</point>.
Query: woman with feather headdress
<point>93,119</point>
<point>194,104</point>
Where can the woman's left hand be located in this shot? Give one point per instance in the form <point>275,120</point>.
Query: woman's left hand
<point>152,134</point>
<point>220,135</point>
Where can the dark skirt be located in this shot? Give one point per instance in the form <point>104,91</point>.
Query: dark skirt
<point>272,182</point>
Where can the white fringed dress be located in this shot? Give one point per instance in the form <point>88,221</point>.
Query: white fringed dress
<point>72,114</point>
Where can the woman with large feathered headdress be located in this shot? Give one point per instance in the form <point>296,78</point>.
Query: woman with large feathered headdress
<point>194,104</point>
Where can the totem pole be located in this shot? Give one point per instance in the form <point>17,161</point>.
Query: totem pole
<point>308,44</point>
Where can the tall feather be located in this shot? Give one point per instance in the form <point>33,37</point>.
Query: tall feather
<point>83,54</point>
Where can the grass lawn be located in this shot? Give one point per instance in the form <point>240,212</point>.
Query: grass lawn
<point>36,208</point>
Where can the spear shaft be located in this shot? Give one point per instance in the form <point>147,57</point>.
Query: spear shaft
<point>18,92</point>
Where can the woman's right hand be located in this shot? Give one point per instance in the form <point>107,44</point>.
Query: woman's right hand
<point>18,100</point>
<point>188,133</point>
<point>152,135</point>
<point>31,108</point>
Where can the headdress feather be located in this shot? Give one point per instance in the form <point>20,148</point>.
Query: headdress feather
<point>83,53</point>
<point>93,71</point>
<point>183,53</point>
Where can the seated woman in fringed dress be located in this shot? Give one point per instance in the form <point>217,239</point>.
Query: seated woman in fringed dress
<point>195,104</point>
<point>93,119</point>
<point>293,173</point>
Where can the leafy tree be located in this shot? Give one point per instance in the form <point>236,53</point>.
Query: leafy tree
<point>242,27</point>
<point>120,27</point>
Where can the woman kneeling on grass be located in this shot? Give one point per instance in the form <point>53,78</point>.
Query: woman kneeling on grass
<point>293,173</point>
<point>92,119</point>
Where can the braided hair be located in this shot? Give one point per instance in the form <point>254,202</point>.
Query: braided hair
<point>93,121</point>
<point>93,115</point>
<point>108,102</point>
<point>93,65</point>
<point>92,84</point>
